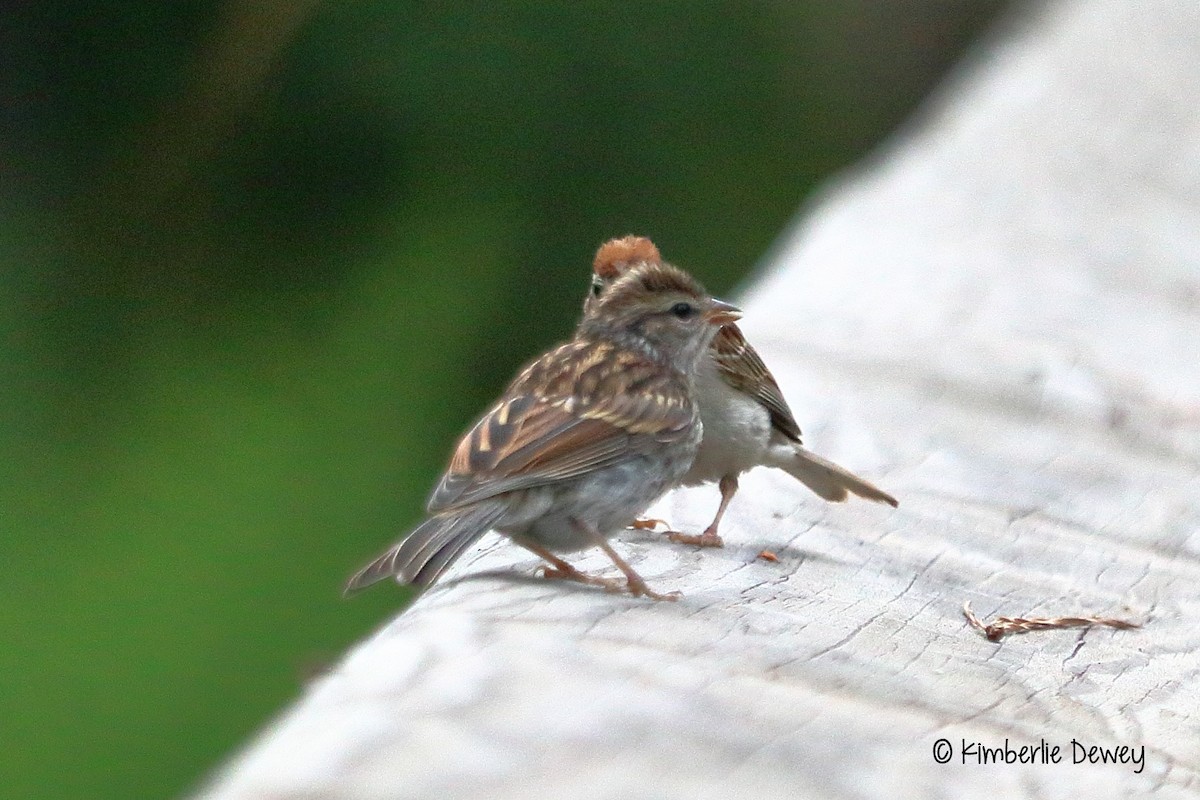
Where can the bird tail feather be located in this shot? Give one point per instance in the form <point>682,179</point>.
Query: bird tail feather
<point>826,478</point>
<point>422,556</point>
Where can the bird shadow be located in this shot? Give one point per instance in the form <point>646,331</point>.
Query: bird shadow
<point>736,550</point>
<point>532,579</point>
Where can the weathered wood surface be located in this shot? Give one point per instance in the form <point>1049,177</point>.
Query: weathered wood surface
<point>999,321</point>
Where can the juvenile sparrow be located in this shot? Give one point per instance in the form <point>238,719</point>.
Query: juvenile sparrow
<point>584,439</point>
<point>747,423</point>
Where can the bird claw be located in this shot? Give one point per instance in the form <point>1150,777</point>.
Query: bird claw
<point>572,574</point>
<point>707,539</point>
<point>636,588</point>
<point>644,524</point>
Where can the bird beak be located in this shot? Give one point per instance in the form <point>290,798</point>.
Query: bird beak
<point>722,313</point>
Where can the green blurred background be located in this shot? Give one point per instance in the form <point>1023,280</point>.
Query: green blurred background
<point>261,261</point>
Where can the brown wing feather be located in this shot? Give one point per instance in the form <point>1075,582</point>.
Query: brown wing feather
<point>743,369</point>
<point>564,417</point>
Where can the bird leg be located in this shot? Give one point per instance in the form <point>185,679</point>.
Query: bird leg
<point>633,582</point>
<point>729,487</point>
<point>646,524</point>
<point>560,570</point>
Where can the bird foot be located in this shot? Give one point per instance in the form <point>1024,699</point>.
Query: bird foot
<point>636,587</point>
<point>707,539</point>
<point>572,574</point>
<point>641,524</point>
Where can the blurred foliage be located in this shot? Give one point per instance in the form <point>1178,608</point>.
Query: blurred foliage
<point>262,261</point>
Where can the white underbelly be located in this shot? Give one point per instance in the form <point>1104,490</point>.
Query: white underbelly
<point>737,429</point>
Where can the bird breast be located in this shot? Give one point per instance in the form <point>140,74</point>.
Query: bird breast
<point>737,429</point>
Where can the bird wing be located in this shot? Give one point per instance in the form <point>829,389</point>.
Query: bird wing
<point>742,368</point>
<point>580,408</point>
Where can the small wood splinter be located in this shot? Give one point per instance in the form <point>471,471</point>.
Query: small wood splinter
<point>767,555</point>
<point>1003,626</point>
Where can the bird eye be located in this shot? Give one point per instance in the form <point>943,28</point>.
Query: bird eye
<point>683,310</point>
<point>597,287</point>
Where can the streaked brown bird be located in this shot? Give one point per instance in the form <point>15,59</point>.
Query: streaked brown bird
<point>584,439</point>
<point>747,423</point>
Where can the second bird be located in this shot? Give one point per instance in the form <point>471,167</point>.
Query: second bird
<point>747,423</point>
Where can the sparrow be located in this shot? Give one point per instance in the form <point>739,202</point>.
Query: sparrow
<point>583,440</point>
<point>746,421</point>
